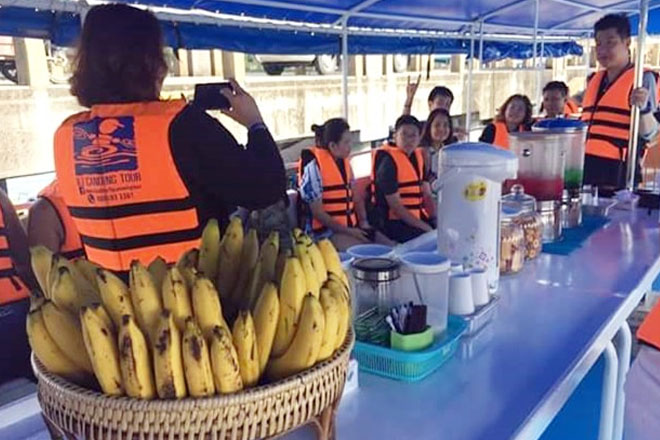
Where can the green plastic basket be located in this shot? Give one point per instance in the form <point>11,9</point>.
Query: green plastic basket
<point>410,366</point>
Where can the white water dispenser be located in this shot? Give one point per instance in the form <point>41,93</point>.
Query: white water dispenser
<point>469,184</point>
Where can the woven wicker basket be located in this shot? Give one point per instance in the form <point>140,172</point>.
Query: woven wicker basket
<point>265,411</point>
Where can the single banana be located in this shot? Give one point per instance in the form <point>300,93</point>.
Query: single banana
<point>88,270</point>
<point>101,343</point>
<point>209,250</point>
<point>115,295</point>
<point>249,257</point>
<point>266,314</point>
<point>317,262</point>
<point>41,259</point>
<point>224,362</point>
<point>245,341</point>
<point>332,315</point>
<point>135,360</point>
<point>292,293</point>
<point>230,257</point>
<point>279,266</point>
<point>65,292</point>
<point>65,329</point>
<point>330,256</point>
<point>304,349</point>
<point>264,271</point>
<point>168,360</point>
<point>158,269</point>
<point>145,298</point>
<point>197,361</point>
<point>176,297</point>
<point>334,282</point>
<point>206,306</point>
<point>47,351</point>
<point>311,281</point>
<point>268,257</point>
<point>86,289</point>
<point>345,317</point>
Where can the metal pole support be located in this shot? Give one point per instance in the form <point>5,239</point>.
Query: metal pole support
<point>623,344</point>
<point>608,398</point>
<point>468,106</point>
<point>344,67</point>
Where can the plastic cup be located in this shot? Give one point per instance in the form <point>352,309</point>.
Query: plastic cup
<point>460,294</point>
<point>479,287</point>
<point>456,268</point>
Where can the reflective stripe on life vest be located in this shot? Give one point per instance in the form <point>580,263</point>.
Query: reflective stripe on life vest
<point>337,196</point>
<point>72,246</point>
<point>12,288</point>
<point>409,179</point>
<point>609,116</point>
<point>649,331</point>
<point>118,178</point>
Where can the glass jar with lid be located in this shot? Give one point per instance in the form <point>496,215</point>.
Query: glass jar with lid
<point>376,283</point>
<point>512,242</point>
<point>529,219</point>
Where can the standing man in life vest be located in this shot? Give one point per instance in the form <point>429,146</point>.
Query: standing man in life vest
<point>607,103</point>
<point>15,282</point>
<point>401,193</point>
<point>50,224</point>
<point>142,176</point>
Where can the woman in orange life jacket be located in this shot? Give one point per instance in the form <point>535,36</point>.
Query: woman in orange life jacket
<point>401,194</point>
<point>327,186</point>
<point>16,280</point>
<point>142,176</point>
<point>50,224</point>
<point>514,115</point>
<point>437,133</point>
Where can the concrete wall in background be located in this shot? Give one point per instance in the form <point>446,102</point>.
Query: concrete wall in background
<point>289,104</point>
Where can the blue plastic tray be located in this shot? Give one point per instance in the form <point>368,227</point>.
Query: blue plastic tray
<point>410,366</point>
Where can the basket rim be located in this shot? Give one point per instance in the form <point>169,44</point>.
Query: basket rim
<point>71,391</point>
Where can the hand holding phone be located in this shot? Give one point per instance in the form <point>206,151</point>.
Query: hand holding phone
<point>237,103</point>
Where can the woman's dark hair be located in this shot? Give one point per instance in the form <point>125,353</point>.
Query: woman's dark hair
<point>426,132</point>
<point>619,22</point>
<point>331,131</point>
<point>528,109</point>
<point>120,57</point>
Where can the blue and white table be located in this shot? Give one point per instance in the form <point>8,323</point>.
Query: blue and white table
<point>555,319</point>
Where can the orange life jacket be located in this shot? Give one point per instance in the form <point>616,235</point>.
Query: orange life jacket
<point>649,331</point>
<point>337,196</point>
<point>118,178</point>
<point>501,138</point>
<point>72,246</point>
<point>12,288</point>
<point>571,107</point>
<point>609,116</point>
<point>409,179</point>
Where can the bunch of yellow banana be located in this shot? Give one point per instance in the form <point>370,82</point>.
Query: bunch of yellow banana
<point>164,335</point>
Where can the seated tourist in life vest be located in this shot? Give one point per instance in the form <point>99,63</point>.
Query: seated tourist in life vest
<point>515,115</point>
<point>16,280</point>
<point>401,194</point>
<point>556,101</point>
<point>438,132</point>
<point>50,224</point>
<point>142,176</point>
<point>327,187</point>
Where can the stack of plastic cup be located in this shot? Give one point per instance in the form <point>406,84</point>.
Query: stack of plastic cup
<point>461,301</point>
<point>480,293</point>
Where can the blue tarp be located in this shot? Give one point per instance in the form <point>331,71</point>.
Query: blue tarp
<point>494,50</point>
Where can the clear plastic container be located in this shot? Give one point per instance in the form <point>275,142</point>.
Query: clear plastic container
<point>529,219</point>
<point>370,251</point>
<point>427,274</point>
<point>376,284</point>
<point>512,243</point>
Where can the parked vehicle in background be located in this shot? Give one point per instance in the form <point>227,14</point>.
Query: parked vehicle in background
<point>8,59</point>
<point>324,64</point>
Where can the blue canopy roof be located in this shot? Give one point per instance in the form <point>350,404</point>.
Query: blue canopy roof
<point>315,26</point>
